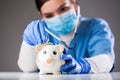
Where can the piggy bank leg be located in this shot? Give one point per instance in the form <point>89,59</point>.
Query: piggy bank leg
<point>56,73</point>
<point>42,72</point>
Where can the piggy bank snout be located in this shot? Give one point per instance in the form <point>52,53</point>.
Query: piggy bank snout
<point>49,60</point>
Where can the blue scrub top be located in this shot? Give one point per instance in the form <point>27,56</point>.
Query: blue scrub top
<point>93,38</point>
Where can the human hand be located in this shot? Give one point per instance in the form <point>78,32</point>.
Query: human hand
<point>35,33</point>
<point>72,66</point>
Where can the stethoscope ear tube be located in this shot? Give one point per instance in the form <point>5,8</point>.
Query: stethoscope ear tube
<point>73,37</point>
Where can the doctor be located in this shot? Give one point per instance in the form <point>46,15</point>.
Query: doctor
<point>88,42</point>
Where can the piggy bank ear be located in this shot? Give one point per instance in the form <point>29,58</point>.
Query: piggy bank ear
<point>60,48</point>
<point>39,47</point>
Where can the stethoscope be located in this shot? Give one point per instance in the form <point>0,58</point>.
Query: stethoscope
<point>73,37</point>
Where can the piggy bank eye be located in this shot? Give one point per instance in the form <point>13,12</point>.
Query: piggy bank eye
<point>54,52</point>
<point>44,52</point>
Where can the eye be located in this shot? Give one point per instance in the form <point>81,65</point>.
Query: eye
<point>44,52</point>
<point>54,52</point>
<point>64,9</point>
<point>48,16</point>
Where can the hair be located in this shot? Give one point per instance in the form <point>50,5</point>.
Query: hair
<point>39,3</point>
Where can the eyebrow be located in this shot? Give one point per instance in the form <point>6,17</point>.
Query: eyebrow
<point>57,9</point>
<point>62,6</point>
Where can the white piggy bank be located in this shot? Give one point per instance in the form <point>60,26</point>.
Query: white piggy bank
<point>48,58</point>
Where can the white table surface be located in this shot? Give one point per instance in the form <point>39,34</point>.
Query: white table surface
<point>36,76</point>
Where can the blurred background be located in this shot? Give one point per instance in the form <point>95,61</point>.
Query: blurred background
<point>16,14</point>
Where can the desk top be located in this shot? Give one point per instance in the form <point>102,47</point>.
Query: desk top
<point>36,76</point>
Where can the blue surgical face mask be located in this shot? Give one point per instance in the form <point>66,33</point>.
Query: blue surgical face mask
<point>63,23</point>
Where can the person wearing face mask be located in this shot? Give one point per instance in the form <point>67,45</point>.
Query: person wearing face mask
<point>88,42</point>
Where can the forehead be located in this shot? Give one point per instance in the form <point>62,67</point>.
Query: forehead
<point>52,5</point>
<point>49,47</point>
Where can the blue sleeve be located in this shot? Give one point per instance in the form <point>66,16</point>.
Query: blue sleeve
<point>34,33</point>
<point>101,38</point>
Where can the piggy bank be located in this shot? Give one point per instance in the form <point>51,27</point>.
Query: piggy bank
<point>48,58</point>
